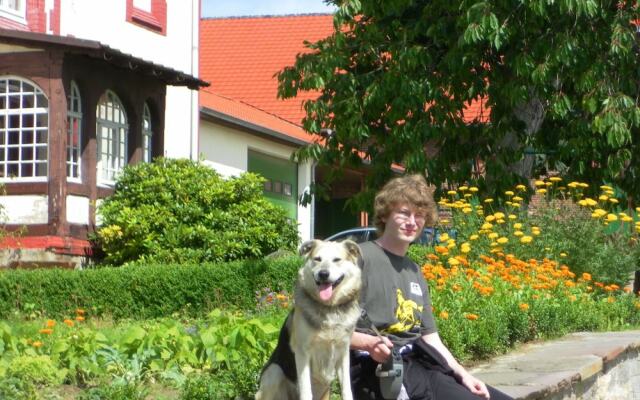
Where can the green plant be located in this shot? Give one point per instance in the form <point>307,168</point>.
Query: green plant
<point>182,211</point>
<point>108,391</point>
<point>36,369</point>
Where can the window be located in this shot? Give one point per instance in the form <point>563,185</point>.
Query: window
<point>111,133</point>
<point>13,9</point>
<point>149,14</point>
<point>74,132</point>
<point>24,127</point>
<point>147,133</point>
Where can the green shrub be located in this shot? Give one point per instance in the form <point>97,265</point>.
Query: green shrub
<point>36,369</point>
<point>144,291</point>
<point>127,391</point>
<point>177,211</point>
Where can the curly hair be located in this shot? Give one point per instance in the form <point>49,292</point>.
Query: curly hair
<point>409,189</point>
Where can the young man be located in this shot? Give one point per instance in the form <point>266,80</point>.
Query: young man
<point>395,296</point>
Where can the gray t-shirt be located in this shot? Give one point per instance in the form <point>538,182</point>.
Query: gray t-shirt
<point>395,296</point>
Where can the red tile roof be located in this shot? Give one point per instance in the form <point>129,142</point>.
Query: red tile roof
<point>240,56</point>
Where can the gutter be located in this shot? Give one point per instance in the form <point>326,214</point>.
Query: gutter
<point>217,116</point>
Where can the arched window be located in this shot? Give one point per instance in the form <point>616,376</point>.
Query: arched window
<point>111,132</point>
<point>74,132</point>
<point>24,130</point>
<point>147,134</point>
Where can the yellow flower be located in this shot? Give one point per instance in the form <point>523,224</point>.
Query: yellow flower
<point>573,185</point>
<point>603,198</point>
<point>541,191</point>
<point>582,203</point>
<point>490,218</point>
<point>512,216</point>
<point>444,221</point>
<point>453,261</point>
<point>443,237</point>
<point>613,200</point>
<point>452,192</point>
<point>555,179</point>
<point>591,202</point>
<point>463,188</point>
<point>517,198</point>
<point>509,193</point>
<point>526,239</point>
<point>473,189</point>
<point>467,195</point>
<point>539,183</point>
<point>521,187</point>
<point>517,225</point>
<point>611,217</point>
<point>37,344</point>
<point>493,235</point>
<point>499,215</point>
<point>465,247</point>
<point>518,233</point>
<point>563,255</point>
<point>473,237</point>
<point>502,240</point>
<point>583,185</point>
<point>467,210</point>
<point>605,187</point>
<point>444,315</point>
<point>489,200</point>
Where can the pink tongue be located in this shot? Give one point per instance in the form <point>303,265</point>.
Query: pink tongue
<point>325,290</point>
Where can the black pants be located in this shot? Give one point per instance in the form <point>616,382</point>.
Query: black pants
<point>424,378</point>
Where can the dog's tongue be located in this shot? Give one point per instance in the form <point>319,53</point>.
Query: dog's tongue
<point>325,290</point>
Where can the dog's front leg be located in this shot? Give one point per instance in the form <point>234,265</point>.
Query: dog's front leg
<point>303,369</point>
<point>344,375</point>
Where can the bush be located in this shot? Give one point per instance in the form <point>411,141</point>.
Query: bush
<point>180,211</point>
<point>144,291</point>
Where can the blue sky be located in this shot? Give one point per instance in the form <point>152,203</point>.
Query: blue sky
<point>234,8</point>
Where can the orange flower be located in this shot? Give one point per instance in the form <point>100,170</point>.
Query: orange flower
<point>68,322</point>
<point>79,318</point>
<point>80,311</point>
<point>37,344</point>
<point>441,250</point>
<point>471,317</point>
<point>51,323</point>
<point>432,257</point>
<point>285,304</point>
<point>46,331</point>
<point>524,306</point>
<point>586,276</point>
<point>444,315</point>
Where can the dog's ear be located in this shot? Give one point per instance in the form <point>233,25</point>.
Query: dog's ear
<point>307,246</point>
<point>353,249</point>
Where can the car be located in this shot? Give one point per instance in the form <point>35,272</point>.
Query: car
<point>430,235</point>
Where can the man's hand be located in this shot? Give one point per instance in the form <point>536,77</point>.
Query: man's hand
<point>379,348</point>
<point>475,385</point>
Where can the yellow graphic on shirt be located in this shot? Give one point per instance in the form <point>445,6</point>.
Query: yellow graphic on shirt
<point>405,314</point>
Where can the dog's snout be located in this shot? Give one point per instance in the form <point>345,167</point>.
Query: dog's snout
<point>323,275</point>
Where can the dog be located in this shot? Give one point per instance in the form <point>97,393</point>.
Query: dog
<point>313,345</point>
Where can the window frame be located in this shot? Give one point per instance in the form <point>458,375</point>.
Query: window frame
<point>18,15</point>
<point>154,20</point>
<point>147,134</point>
<point>74,115</point>
<point>118,143</point>
<point>22,132</point>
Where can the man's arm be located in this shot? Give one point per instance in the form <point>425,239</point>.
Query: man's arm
<point>472,383</point>
<point>379,348</point>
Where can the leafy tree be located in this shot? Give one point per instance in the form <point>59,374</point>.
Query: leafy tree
<point>182,211</point>
<point>395,77</point>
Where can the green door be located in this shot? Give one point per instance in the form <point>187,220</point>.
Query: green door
<point>281,186</point>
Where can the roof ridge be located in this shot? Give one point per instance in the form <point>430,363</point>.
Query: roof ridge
<point>254,107</point>
<point>268,16</point>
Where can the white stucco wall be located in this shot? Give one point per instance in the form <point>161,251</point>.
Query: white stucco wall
<point>78,210</point>
<point>105,21</point>
<point>25,209</point>
<point>226,150</point>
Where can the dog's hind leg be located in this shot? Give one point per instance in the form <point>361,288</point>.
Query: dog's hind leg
<point>275,386</point>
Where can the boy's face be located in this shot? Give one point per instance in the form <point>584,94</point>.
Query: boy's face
<point>404,223</point>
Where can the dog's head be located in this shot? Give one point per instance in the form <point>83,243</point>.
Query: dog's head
<point>331,273</point>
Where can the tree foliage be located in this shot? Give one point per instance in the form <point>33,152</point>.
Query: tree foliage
<point>395,77</point>
<point>182,211</point>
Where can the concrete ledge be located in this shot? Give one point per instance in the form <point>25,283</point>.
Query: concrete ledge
<point>585,365</point>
